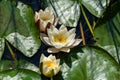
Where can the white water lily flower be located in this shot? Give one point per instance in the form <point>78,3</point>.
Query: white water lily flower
<point>44,19</point>
<point>50,66</point>
<point>60,39</point>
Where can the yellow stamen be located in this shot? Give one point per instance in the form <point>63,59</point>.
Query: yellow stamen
<point>45,16</point>
<point>60,38</point>
<point>49,64</point>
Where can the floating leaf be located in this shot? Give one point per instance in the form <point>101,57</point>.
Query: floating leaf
<point>67,11</point>
<point>91,63</point>
<point>18,27</point>
<point>6,65</point>
<point>96,7</point>
<point>107,35</point>
<point>110,12</point>
<point>2,44</point>
<point>27,45</point>
<point>21,70</point>
<point>21,74</point>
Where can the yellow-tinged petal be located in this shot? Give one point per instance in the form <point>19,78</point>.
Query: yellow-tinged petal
<point>46,19</point>
<point>36,17</point>
<point>53,50</point>
<point>61,39</point>
<point>42,58</point>
<point>77,41</point>
<point>48,72</point>
<point>50,66</point>
<point>63,28</point>
<point>65,50</point>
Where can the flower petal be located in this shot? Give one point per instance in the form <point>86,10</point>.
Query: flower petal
<point>62,27</point>
<point>36,16</point>
<point>42,35</point>
<point>46,40</point>
<point>47,9</point>
<point>58,45</point>
<point>71,40</point>
<point>52,50</point>
<point>46,18</point>
<point>65,50</point>
<point>42,58</point>
<point>72,31</point>
<point>52,30</point>
<point>58,62</point>
<point>40,11</point>
<point>55,22</point>
<point>43,25</point>
<point>47,71</point>
<point>77,41</point>
<point>52,57</point>
<point>57,69</point>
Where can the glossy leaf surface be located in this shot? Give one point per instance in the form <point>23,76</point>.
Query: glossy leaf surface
<point>96,7</point>
<point>67,11</point>
<point>91,63</point>
<point>21,70</point>
<point>107,35</point>
<point>2,44</point>
<point>17,26</point>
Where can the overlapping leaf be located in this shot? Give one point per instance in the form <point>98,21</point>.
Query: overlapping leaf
<point>67,11</point>
<point>107,35</point>
<point>21,70</point>
<point>91,63</point>
<point>2,44</point>
<point>96,7</point>
<point>18,27</point>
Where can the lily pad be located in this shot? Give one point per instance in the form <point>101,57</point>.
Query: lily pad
<point>18,27</point>
<point>67,11</point>
<point>107,36</point>
<point>90,63</point>
<point>2,44</point>
<point>20,70</point>
<point>21,74</point>
<point>96,7</point>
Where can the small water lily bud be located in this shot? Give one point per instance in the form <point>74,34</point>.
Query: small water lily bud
<point>49,66</point>
<point>60,39</point>
<point>45,19</point>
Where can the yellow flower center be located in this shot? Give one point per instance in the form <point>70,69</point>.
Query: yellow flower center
<point>60,38</point>
<point>49,64</point>
<point>46,16</point>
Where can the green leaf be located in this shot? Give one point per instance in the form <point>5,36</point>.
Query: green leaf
<point>2,44</point>
<point>18,27</point>
<point>110,12</point>
<point>107,35</point>
<point>67,11</point>
<point>21,70</point>
<point>21,74</point>
<point>90,63</point>
<point>7,65</point>
<point>96,7</point>
<point>11,21</point>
